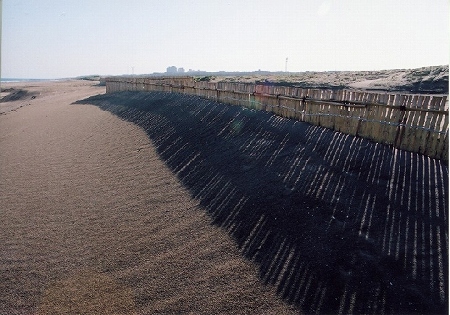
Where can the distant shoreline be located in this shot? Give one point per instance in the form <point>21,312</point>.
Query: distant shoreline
<point>17,80</point>
<point>424,80</point>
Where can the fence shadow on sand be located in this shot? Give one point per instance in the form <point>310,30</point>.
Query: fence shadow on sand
<point>337,224</point>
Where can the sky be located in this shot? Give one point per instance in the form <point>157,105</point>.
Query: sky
<point>69,38</point>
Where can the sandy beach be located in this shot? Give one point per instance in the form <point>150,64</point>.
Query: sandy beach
<point>94,222</point>
<point>166,203</point>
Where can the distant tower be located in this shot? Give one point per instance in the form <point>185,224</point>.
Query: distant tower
<point>285,65</point>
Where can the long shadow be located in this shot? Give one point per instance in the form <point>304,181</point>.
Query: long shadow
<point>337,223</point>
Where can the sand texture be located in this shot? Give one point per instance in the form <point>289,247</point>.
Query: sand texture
<point>94,222</point>
<point>159,203</point>
<point>423,80</point>
<point>338,224</point>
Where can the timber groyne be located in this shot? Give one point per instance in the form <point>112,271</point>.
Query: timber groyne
<point>412,122</point>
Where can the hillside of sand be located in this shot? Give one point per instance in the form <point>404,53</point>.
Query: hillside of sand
<point>424,80</point>
<point>151,202</point>
<point>433,80</point>
<point>94,222</point>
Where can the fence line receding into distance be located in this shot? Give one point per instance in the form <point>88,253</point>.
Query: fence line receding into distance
<point>412,122</point>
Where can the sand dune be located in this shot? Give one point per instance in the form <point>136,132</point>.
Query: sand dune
<point>160,203</point>
<point>338,224</point>
<point>423,80</point>
<point>93,221</point>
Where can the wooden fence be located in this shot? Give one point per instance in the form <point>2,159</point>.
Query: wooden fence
<point>412,122</point>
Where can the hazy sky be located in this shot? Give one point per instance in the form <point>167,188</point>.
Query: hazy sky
<point>66,38</point>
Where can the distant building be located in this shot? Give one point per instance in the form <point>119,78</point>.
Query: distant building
<point>172,69</point>
<point>180,70</point>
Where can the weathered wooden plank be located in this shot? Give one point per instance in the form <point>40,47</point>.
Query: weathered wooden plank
<point>401,120</point>
<point>405,102</point>
<point>432,135</point>
<point>376,127</point>
<point>282,108</point>
<point>445,148</point>
<point>439,132</point>
<point>291,105</point>
<point>313,109</point>
<point>297,110</point>
<point>323,118</point>
<point>414,136</point>
<point>393,119</point>
<point>367,122</point>
<point>443,103</point>
<point>422,132</point>
<point>419,131</point>
<point>434,102</point>
<point>355,119</point>
<point>363,125</point>
<point>387,123</point>
<point>309,112</point>
<point>344,123</point>
<point>409,130</point>
<point>331,116</point>
<point>442,146</point>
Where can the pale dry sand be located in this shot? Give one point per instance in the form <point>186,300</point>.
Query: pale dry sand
<point>432,79</point>
<point>94,222</point>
